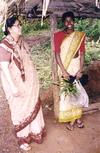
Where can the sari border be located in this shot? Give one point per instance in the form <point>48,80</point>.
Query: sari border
<point>29,119</point>
<point>32,137</point>
<point>81,39</point>
<point>74,32</point>
<point>82,35</point>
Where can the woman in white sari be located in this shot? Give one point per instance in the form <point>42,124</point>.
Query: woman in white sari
<point>21,86</point>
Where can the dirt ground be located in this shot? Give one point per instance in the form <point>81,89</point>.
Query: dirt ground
<point>58,139</point>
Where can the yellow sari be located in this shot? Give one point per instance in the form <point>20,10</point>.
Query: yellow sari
<point>69,109</point>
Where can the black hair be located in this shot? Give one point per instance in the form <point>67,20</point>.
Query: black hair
<point>68,14</point>
<point>9,23</point>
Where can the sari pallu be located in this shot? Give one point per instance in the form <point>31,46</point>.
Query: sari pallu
<point>70,107</point>
<point>26,111</point>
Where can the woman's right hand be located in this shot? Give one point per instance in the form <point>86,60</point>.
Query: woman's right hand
<point>15,92</point>
<point>5,68</point>
<point>65,75</point>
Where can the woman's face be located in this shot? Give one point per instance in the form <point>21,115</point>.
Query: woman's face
<point>69,23</point>
<point>16,28</point>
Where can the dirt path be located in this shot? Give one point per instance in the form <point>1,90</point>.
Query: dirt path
<point>34,40</point>
<point>58,140</point>
<point>8,143</point>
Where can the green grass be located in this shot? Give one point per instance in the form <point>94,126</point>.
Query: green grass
<point>34,27</point>
<point>1,33</point>
<point>92,53</point>
<point>41,55</point>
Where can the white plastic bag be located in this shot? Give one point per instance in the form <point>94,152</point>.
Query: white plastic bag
<point>70,107</point>
<point>81,96</point>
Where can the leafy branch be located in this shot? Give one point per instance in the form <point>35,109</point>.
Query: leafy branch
<point>68,88</point>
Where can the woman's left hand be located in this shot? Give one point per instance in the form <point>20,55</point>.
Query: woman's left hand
<point>79,74</point>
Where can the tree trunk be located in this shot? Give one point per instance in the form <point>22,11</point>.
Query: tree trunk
<point>54,68</point>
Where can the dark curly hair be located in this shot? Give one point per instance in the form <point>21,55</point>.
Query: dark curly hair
<point>68,14</point>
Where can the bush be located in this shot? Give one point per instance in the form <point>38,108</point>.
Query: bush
<point>90,26</point>
<point>92,53</point>
<point>31,27</point>
<point>1,33</point>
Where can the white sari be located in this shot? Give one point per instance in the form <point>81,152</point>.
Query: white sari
<point>26,111</point>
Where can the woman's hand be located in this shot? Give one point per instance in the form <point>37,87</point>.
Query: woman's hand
<point>15,92</point>
<point>79,74</point>
<point>5,69</point>
<point>65,74</point>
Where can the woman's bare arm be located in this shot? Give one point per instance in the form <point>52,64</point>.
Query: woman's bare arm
<point>63,70</point>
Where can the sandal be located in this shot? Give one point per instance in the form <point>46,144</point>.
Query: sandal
<point>38,139</point>
<point>79,124</point>
<point>44,133</point>
<point>70,127</point>
<point>25,147</point>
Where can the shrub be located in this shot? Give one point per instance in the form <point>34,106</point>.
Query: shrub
<point>30,27</point>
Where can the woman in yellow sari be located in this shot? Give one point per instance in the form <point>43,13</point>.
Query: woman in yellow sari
<point>21,86</point>
<point>69,53</point>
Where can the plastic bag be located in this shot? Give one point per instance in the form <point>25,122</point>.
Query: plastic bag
<point>82,97</point>
<point>70,107</point>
